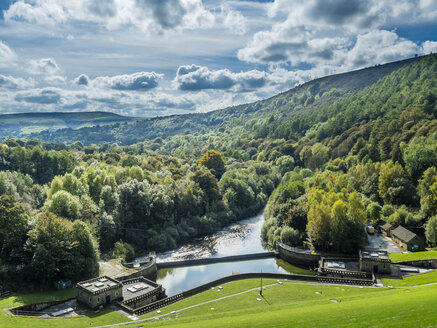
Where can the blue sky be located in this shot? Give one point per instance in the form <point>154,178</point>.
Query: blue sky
<point>161,57</point>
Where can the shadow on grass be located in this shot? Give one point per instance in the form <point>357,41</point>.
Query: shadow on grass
<point>393,277</point>
<point>40,297</point>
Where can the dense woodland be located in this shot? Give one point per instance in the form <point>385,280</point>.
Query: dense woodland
<point>325,158</point>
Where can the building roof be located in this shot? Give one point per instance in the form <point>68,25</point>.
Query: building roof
<point>136,287</point>
<point>374,255</point>
<point>386,226</point>
<point>98,285</point>
<point>403,234</point>
<point>380,223</point>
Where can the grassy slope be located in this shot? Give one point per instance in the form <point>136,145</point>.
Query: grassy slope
<point>411,280</point>
<point>400,257</point>
<point>299,306</point>
<point>6,321</point>
<point>290,304</point>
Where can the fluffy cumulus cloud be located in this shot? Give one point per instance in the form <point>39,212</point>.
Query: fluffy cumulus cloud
<point>10,82</point>
<point>141,81</point>
<point>46,66</point>
<point>150,16</point>
<point>7,56</point>
<point>194,78</point>
<point>337,35</point>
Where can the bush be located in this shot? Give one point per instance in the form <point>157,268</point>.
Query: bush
<point>387,210</point>
<point>124,250</point>
<point>431,231</point>
<point>373,211</point>
<point>290,237</point>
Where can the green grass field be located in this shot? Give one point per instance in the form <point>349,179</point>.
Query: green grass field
<point>296,305</point>
<point>9,321</point>
<point>400,257</point>
<point>413,280</point>
<point>291,304</point>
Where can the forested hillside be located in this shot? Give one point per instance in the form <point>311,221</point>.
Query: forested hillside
<point>307,97</point>
<point>21,125</point>
<point>325,157</point>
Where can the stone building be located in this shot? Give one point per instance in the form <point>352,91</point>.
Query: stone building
<point>406,239</point>
<point>386,229</point>
<point>100,291</point>
<point>132,293</point>
<point>375,261</point>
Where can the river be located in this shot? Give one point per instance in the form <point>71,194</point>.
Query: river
<point>239,238</point>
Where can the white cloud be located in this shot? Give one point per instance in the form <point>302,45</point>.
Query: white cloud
<point>194,78</point>
<point>429,46</point>
<point>43,66</point>
<point>128,82</point>
<point>234,21</point>
<point>10,82</point>
<point>150,16</point>
<point>7,56</point>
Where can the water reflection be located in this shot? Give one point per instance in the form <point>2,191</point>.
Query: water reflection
<point>239,238</point>
<point>177,280</point>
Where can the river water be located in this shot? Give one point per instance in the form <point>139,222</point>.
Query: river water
<point>239,238</point>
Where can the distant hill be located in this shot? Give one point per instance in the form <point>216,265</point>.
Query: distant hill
<point>308,98</point>
<point>23,124</point>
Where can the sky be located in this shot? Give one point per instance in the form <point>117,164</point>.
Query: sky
<point>163,57</point>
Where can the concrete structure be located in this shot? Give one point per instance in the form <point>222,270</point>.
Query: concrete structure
<point>386,229</point>
<point>302,257</point>
<point>341,267</point>
<point>406,238</point>
<point>100,291</point>
<point>140,291</point>
<point>375,261</point>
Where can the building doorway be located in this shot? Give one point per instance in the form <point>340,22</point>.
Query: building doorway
<point>375,269</point>
<point>108,299</point>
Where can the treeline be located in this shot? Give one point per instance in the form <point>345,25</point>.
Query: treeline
<point>330,208</point>
<point>114,200</point>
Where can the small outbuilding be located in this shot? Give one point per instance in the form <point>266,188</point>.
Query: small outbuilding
<point>406,239</point>
<point>386,229</point>
<point>375,261</point>
<point>100,291</point>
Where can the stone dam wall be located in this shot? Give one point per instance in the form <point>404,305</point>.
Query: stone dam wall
<point>212,260</point>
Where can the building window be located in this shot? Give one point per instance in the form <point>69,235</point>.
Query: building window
<point>98,299</point>
<point>116,294</point>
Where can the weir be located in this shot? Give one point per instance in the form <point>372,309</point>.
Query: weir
<point>212,260</point>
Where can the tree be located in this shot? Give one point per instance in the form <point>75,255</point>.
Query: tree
<point>427,191</point>
<point>208,183</point>
<point>65,205</point>
<point>13,226</point>
<point>285,164</point>
<point>61,249</point>
<point>213,160</point>
<point>420,155</point>
<point>291,237</point>
<point>431,231</point>
<point>394,187</point>
<point>374,211</point>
